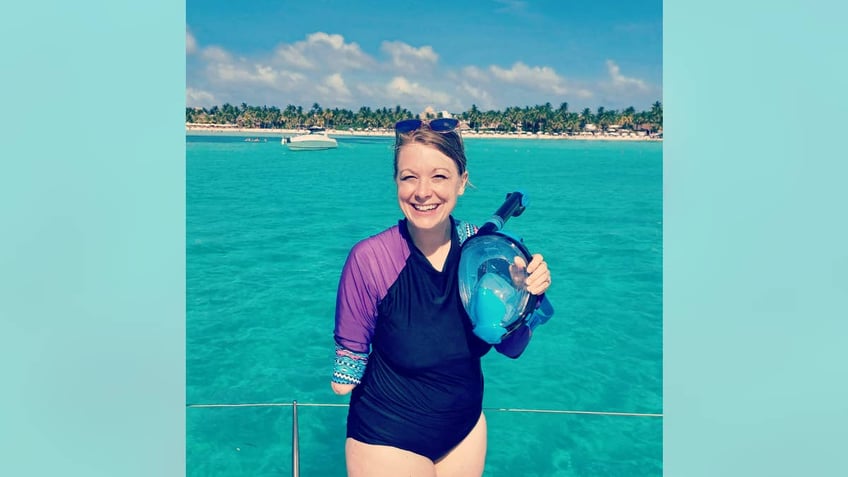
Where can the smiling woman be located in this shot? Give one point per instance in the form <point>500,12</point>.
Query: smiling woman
<point>405,345</point>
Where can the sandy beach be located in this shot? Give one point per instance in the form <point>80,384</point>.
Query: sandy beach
<point>195,129</point>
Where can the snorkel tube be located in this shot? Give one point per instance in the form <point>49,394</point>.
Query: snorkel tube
<point>491,285</point>
<point>513,206</point>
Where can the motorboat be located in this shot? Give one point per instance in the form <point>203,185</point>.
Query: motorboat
<point>315,140</point>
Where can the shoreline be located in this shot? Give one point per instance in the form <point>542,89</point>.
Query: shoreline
<point>195,130</point>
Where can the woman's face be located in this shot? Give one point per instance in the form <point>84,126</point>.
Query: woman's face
<point>428,185</point>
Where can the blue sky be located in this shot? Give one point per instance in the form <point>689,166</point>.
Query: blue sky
<point>443,55</point>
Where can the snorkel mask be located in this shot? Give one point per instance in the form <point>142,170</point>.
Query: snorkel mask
<point>491,285</point>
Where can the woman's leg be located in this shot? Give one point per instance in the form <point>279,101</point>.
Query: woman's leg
<point>366,460</point>
<point>468,458</point>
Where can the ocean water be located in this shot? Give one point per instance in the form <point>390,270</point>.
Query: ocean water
<point>268,231</point>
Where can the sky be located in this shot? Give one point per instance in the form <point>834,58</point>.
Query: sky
<point>442,55</point>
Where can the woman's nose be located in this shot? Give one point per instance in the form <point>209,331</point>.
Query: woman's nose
<point>423,189</point>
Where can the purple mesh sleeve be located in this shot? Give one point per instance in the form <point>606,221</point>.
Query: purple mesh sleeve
<point>371,268</point>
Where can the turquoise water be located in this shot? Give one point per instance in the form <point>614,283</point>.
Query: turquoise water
<point>268,231</point>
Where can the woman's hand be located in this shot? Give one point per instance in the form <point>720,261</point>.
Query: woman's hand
<point>538,276</point>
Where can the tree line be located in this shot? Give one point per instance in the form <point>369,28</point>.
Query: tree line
<point>535,119</point>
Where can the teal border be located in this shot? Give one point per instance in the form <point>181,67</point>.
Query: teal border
<point>756,239</point>
<point>92,256</point>
<point>91,200</point>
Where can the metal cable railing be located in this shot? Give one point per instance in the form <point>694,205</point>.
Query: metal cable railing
<point>496,409</point>
<point>294,405</point>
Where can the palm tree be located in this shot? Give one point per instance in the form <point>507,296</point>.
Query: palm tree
<point>606,118</point>
<point>586,118</point>
<point>474,118</point>
<point>656,114</point>
<point>536,118</point>
<point>626,118</point>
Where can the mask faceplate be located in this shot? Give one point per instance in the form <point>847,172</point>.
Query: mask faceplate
<point>492,287</point>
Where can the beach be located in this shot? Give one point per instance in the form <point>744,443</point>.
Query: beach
<point>198,129</point>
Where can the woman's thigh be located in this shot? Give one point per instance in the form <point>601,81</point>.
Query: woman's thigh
<point>468,458</point>
<point>367,460</point>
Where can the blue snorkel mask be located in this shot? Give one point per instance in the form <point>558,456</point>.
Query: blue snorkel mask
<point>491,286</point>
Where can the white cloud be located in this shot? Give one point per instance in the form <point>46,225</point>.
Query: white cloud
<point>474,73</point>
<point>408,58</point>
<point>198,98</point>
<point>542,78</point>
<point>233,73</point>
<point>335,87</point>
<point>265,74</point>
<point>331,71</point>
<point>621,81</point>
<point>243,73</point>
<point>335,41</point>
<point>323,51</point>
<point>216,54</point>
<point>407,92</point>
<point>191,43</point>
<point>479,96</point>
<point>223,68</point>
<point>294,57</point>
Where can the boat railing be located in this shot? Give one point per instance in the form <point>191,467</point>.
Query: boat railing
<point>295,441</point>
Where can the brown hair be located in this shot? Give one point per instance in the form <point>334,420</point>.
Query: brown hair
<point>448,143</point>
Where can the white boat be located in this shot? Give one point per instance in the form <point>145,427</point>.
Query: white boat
<point>316,139</point>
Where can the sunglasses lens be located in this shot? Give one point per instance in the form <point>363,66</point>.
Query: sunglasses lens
<point>437,125</point>
<point>407,125</point>
<point>443,124</point>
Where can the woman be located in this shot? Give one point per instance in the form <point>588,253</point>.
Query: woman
<point>404,343</point>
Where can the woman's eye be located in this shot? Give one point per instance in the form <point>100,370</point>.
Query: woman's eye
<point>439,177</point>
<point>406,178</point>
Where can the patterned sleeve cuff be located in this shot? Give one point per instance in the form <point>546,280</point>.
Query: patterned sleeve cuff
<point>349,366</point>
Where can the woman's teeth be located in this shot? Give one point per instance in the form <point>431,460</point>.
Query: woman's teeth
<point>424,208</point>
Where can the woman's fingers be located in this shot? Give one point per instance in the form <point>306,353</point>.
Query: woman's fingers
<point>535,262</point>
<point>539,277</point>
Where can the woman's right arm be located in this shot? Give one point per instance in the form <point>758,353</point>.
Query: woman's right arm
<point>355,319</point>
<point>341,389</point>
<point>348,368</point>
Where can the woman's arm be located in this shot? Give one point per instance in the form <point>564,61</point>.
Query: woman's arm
<point>348,368</point>
<point>341,389</point>
<point>356,304</point>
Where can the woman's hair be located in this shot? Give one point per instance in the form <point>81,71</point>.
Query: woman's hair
<point>448,143</point>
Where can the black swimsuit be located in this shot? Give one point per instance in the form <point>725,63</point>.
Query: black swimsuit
<point>422,389</point>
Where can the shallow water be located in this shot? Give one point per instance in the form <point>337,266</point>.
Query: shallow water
<point>267,233</point>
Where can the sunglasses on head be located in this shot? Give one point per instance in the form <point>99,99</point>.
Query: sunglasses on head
<point>442,125</point>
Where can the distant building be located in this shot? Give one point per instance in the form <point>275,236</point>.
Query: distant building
<point>431,113</point>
